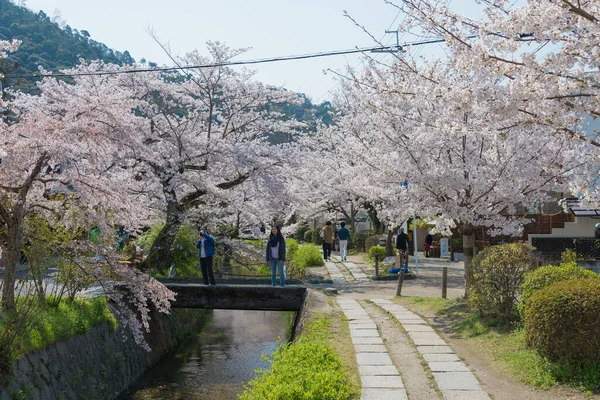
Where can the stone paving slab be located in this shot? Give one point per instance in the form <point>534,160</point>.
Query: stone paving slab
<point>384,394</point>
<point>448,366</point>
<point>423,335</point>
<point>394,308</point>
<point>409,319</point>
<point>374,359</point>
<point>356,272</point>
<point>382,382</point>
<point>465,395</point>
<point>355,315</point>
<point>334,273</point>
<point>440,357</point>
<point>362,325</point>
<point>417,328</point>
<point>434,350</point>
<point>364,333</point>
<point>429,342</point>
<point>370,348</point>
<point>367,340</point>
<point>457,381</point>
<point>377,370</point>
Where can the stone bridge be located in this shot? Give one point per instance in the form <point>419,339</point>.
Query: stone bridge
<point>238,297</point>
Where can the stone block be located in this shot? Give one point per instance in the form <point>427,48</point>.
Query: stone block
<point>383,394</point>
<point>391,381</point>
<point>373,359</point>
<point>457,381</point>
<point>367,340</point>
<point>377,370</point>
<point>465,395</point>
<point>440,357</point>
<point>448,366</point>
<point>370,348</point>
<point>434,350</point>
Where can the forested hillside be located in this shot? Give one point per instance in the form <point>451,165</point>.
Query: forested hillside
<point>47,44</point>
<point>54,45</point>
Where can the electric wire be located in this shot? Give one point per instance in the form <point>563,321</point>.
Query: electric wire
<point>232,63</point>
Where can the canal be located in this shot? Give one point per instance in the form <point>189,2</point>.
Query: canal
<point>216,362</point>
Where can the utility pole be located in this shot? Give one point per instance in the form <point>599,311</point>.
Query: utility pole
<point>390,49</point>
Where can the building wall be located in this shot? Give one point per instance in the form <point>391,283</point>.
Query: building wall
<point>582,227</point>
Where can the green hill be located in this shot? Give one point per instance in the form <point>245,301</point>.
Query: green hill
<point>47,44</point>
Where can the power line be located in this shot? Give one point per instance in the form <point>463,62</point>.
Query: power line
<point>232,63</point>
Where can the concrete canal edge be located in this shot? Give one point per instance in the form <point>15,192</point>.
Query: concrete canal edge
<point>99,364</point>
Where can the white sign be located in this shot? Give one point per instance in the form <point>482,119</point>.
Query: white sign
<point>444,247</point>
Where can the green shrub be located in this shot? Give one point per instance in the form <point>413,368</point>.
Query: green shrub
<point>307,256</point>
<point>547,275</point>
<point>257,244</point>
<point>301,232</point>
<point>371,241</point>
<point>308,236</point>
<point>378,251</point>
<point>562,321</point>
<point>316,237</point>
<point>360,238</point>
<point>291,248</point>
<point>306,369</point>
<point>497,274</point>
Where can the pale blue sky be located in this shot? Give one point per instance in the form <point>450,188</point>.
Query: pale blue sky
<point>269,27</point>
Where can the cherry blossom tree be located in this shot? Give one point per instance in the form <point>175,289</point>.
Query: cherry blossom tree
<point>59,158</point>
<point>457,139</point>
<point>185,139</point>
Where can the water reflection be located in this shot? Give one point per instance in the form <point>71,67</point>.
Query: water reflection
<point>217,362</point>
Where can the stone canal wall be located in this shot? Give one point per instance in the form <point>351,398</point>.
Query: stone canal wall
<point>99,364</point>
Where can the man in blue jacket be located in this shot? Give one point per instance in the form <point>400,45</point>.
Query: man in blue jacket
<point>206,251</point>
<point>344,238</point>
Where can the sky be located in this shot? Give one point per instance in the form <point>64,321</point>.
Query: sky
<point>268,27</point>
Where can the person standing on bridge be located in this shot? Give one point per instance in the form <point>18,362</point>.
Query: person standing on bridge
<point>206,251</point>
<point>276,255</point>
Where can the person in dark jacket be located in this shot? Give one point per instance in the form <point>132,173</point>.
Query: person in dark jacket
<point>402,246</point>
<point>428,241</point>
<point>276,255</point>
<point>206,251</point>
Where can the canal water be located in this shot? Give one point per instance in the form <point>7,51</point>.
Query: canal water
<point>215,363</point>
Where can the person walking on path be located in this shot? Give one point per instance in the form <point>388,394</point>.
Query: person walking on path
<point>402,246</point>
<point>206,251</point>
<point>344,238</point>
<point>428,241</point>
<point>276,255</point>
<point>327,236</point>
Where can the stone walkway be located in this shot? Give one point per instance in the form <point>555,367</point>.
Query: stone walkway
<point>379,377</point>
<point>334,273</point>
<point>356,272</point>
<point>453,377</point>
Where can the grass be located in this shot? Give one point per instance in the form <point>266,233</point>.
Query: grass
<point>307,369</point>
<point>50,325</point>
<point>504,341</point>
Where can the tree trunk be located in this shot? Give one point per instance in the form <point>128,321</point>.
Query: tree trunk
<point>389,245</point>
<point>377,224</point>
<point>468,235</point>
<point>160,256</point>
<point>13,253</point>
